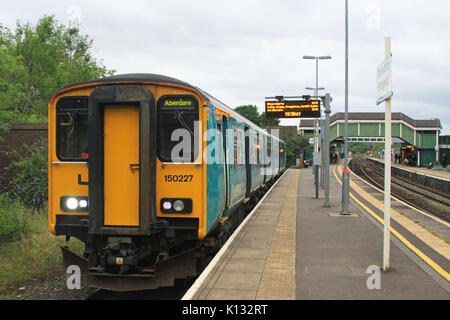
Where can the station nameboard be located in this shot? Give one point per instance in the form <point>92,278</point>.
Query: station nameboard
<point>293,109</point>
<point>384,81</point>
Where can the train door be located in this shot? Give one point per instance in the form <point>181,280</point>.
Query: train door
<point>263,156</point>
<point>122,161</point>
<point>121,165</point>
<point>247,162</point>
<point>225,158</point>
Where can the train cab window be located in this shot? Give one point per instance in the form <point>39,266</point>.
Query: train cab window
<point>177,112</point>
<point>72,128</point>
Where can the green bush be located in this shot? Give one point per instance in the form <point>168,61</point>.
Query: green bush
<point>13,219</point>
<point>30,183</point>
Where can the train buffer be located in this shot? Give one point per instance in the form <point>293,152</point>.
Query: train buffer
<point>291,247</point>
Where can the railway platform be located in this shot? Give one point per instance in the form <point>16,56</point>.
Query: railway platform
<point>439,173</point>
<point>292,247</point>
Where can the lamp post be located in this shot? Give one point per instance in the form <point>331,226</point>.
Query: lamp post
<point>316,144</point>
<point>322,163</point>
<point>345,172</point>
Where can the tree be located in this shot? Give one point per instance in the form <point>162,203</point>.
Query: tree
<point>12,77</point>
<point>294,145</point>
<point>357,148</point>
<point>264,122</point>
<point>250,112</point>
<point>35,61</point>
<point>377,148</point>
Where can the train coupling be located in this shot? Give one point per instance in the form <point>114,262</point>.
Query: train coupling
<point>119,254</point>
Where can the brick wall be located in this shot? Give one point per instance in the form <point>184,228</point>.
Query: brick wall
<point>18,135</point>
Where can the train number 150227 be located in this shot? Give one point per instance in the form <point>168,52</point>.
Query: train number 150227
<point>178,177</point>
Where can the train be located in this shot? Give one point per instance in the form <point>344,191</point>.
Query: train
<point>152,174</point>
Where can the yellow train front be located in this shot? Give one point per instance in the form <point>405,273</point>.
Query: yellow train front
<point>152,174</point>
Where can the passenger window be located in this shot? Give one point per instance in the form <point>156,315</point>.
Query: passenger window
<point>72,128</point>
<point>259,146</point>
<point>236,142</point>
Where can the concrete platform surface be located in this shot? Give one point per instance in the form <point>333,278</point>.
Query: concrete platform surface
<point>258,261</point>
<point>339,257</point>
<point>292,247</point>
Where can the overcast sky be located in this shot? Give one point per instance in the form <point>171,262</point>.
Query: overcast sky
<point>242,51</point>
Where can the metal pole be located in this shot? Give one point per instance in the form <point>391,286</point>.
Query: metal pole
<point>317,76</point>
<point>387,172</point>
<point>326,140</point>
<point>346,173</point>
<point>319,127</point>
<point>316,133</point>
<point>316,159</point>
<point>322,149</point>
<point>316,151</point>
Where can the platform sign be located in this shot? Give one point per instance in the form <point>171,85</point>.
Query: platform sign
<point>293,109</point>
<point>384,81</point>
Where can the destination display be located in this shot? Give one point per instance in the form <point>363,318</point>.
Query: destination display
<point>177,101</point>
<point>293,109</point>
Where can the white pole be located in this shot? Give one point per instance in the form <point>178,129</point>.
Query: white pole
<point>345,172</point>
<point>437,146</point>
<point>387,172</point>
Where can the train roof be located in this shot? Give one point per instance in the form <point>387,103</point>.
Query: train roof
<point>157,78</point>
<point>133,78</point>
<point>235,114</point>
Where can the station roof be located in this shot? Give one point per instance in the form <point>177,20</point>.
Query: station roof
<point>376,116</point>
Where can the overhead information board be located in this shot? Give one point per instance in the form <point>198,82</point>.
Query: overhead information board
<point>293,109</point>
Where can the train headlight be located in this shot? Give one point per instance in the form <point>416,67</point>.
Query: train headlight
<point>167,205</point>
<point>178,205</point>
<point>83,203</point>
<point>72,203</point>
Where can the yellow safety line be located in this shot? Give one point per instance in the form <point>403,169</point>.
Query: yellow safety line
<point>423,256</point>
<point>278,278</point>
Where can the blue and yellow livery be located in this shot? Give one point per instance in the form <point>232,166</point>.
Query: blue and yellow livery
<point>152,174</point>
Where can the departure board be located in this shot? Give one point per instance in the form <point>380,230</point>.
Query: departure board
<point>293,109</point>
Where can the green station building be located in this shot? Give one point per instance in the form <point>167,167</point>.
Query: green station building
<point>418,141</point>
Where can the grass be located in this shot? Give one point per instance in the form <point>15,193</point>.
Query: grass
<point>434,233</point>
<point>34,255</point>
<point>427,229</point>
<point>396,210</point>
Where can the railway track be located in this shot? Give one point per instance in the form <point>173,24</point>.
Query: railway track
<point>428,200</point>
<point>175,292</point>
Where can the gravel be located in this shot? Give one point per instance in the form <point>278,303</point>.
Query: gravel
<point>53,287</point>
